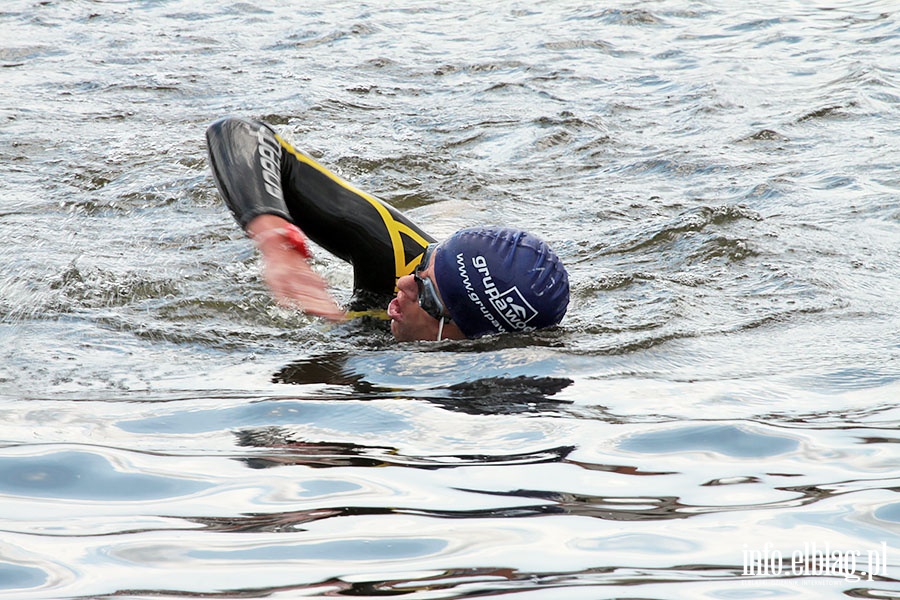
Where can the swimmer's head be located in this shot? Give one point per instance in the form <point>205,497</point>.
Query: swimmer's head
<point>499,280</point>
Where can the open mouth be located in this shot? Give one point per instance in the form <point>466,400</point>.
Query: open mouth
<point>393,310</point>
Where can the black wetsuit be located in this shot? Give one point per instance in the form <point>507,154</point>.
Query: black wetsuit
<point>258,173</point>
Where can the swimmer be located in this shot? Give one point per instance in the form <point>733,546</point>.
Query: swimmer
<point>479,281</point>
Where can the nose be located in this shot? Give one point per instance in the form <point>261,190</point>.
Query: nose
<point>407,285</point>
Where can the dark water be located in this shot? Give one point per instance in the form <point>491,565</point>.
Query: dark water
<point>716,419</point>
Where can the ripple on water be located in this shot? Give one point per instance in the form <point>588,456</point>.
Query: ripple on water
<point>17,577</point>
<point>889,513</point>
<point>720,178</point>
<point>349,549</point>
<point>639,543</point>
<point>69,474</point>
<point>351,417</point>
<point>730,440</point>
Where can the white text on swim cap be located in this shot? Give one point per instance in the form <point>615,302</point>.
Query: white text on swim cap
<point>460,261</point>
<point>510,305</point>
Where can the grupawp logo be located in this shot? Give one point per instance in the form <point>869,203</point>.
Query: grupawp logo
<point>510,305</point>
<point>513,308</point>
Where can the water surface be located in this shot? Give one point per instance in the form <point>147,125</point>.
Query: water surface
<point>722,397</point>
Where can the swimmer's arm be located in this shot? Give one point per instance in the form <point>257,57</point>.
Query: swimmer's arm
<point>245,158</point>
<point>287,272</point>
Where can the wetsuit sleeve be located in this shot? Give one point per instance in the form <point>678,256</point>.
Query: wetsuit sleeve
<point>257,172</point>
<point>245,169</point>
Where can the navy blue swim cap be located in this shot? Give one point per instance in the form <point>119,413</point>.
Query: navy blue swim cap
<point>498,280</point>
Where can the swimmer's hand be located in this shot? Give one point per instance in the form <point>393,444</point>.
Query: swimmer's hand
<point>286,269</point>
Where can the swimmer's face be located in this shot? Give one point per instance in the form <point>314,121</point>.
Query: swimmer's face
<point>409,321</point>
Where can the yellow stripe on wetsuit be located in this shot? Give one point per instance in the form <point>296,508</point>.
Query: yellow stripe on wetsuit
<point>375,313</point>
<point>394,229</point>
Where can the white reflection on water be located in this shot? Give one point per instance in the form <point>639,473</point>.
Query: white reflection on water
<point>602,503</point>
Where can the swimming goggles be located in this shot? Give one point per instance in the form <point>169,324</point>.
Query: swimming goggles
<point>428,295</point>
